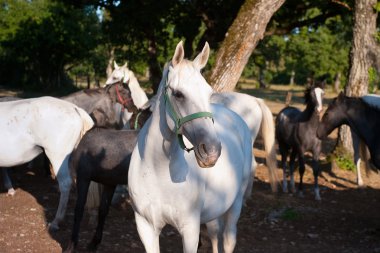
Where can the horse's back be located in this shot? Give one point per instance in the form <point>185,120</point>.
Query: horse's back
<point>286,121</point>
<point>103,155</point>
<point>244,105</point>
<point>29,124</point>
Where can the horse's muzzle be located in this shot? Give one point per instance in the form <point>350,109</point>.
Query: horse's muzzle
<point>207,155</point>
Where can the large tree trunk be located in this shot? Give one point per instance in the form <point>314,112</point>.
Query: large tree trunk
<point>362,43</point>
<point>240,41</point>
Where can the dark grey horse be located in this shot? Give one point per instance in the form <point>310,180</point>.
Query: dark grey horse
<point>99,103</point>
<point>103,156</point>
<point>296,133</point>
<point>363,117</point>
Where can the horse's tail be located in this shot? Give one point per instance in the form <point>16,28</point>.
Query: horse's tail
<point>93,196</point>
<point>268,135</point>
<point>87,123</point>
<point>364,154</point>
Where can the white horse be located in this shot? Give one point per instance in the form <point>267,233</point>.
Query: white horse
<point>138,94</point>
<point>168,184</point>
<point>259,118</point>
<point>30,126</point>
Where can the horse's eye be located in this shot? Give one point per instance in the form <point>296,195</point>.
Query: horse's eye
<point>178,95</point>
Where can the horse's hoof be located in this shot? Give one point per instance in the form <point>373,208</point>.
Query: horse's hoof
<point>92,247</point>
<point>53,227</point>
<point>11,192</point>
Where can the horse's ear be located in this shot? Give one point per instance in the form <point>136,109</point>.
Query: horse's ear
<point>179,54</point>
<point>115,65</point>
<point>201,60</point>
<point>125,65</point>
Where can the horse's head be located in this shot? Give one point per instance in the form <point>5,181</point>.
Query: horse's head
<point>120,93</point>
<point>333,117</point>
<point>119,74</point>
<point>314,95</point>
<point>187,100</point>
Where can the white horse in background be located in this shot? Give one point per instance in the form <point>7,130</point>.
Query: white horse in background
<point>259,118</point>
<point>169,185</point>
<point>30,126</point>
<point>138,94</point>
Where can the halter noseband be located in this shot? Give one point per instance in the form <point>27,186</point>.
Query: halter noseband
<point>123,102</point>
<point>180,121</point>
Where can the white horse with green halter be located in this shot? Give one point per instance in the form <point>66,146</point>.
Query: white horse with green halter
<point>169,185</point>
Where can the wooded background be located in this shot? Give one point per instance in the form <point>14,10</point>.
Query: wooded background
<point>49,44</point>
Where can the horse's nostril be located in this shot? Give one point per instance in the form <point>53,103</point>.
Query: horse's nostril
<point>202,150</point>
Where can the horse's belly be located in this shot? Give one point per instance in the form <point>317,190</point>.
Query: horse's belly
<point>17,154</point>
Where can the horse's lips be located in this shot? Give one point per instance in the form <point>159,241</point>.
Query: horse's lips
<point>205,163</point>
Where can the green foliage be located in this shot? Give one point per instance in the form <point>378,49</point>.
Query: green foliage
<point>343,159</point>
<point>307,51</point>
<point>373,80</point>
<point>40,39</point>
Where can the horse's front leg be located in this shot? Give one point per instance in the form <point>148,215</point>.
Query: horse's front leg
<point>190,234</point>
<point>149,234</point>
<point>231,218</point>
<point>315,164</point>
<point>215,229</point>
<point>301,165</point>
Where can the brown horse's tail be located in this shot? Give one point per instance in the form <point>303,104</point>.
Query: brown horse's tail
<point>268,135</point>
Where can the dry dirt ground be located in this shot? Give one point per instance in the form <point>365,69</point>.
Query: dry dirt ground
<point>345,221</point>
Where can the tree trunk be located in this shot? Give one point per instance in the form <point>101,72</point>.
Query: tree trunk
<point>154,67</point>
<point>363,40</point>
<point>111,58</point>
<point>240,41</point>
<point>337,82</point>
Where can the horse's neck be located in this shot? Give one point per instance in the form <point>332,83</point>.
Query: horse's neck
<point>157,136</point>
<point>138,95</point>
<point>309,114</point>
<point>86,101</point>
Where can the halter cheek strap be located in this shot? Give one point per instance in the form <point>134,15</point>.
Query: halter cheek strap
<point>123,102</point>
<point>180,121</point>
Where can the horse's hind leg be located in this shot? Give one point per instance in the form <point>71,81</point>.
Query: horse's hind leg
<point>105,203</point>
<point>284,156</point>
<point>292,163</point>
<point>65,181</point>
<point>7,181</point>
<point>301,165</point>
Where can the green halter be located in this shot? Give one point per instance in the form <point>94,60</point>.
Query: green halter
<point>180,121</point>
